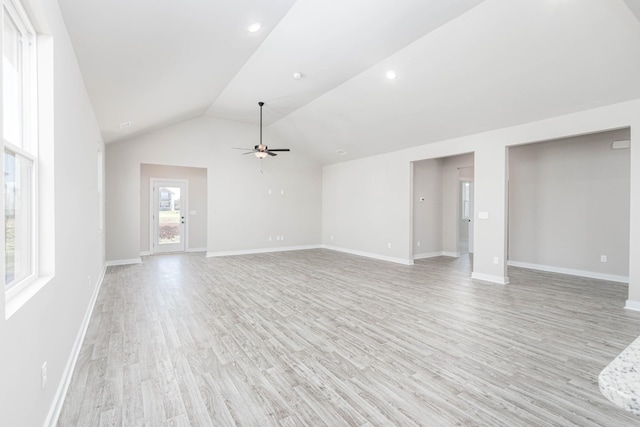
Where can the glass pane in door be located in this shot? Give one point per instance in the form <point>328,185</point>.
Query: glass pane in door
<point>169,220</point>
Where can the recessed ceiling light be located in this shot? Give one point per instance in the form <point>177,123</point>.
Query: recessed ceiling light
<point>391,75</point>
<point>341,152</point>
<point>124,125</point>
<point>297,75</point>
<point>254,27</point>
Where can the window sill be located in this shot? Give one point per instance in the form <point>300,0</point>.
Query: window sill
<point>20,298</point>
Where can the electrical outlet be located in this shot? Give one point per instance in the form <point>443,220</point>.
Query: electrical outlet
<point>389,245</point>
<point>269,238</point>
<point>496,260</point>
<point>603,258</point>
<point>43,375</point>
<point>332,237</point>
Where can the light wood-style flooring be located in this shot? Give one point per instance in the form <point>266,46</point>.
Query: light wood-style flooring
<point>316,337</point>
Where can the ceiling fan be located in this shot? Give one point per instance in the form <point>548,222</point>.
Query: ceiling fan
<point>261,151</point>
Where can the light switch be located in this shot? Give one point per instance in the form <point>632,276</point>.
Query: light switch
<point>483,215</point>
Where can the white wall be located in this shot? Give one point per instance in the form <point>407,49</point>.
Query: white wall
<point>569,204</point>
<point>242,215</point>
<point>366,207</point>
<point>367,202</point>
<point>197,202</point>
<point>48,326</point>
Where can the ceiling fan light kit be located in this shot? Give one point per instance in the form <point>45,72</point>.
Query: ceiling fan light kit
<point>261,151</point>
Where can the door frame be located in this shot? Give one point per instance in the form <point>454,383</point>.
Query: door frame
<point>153,209</point>
<point>471,221</point>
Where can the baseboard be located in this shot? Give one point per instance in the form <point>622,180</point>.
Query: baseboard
<point>124,262</point>
<point>435,254</point>
<point>370,255</point>
<point>191,250</point>
<point>260,251</point>
<point>632,305</point>
<point>501,280</point>
<point>149,253</point>
<point>427,255</point>
<point>63,387</point>
<point>572,272</point>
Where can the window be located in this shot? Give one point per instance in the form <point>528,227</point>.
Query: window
<point>20,158</point>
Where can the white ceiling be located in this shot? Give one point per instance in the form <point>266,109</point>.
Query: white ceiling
<point>464,66</point>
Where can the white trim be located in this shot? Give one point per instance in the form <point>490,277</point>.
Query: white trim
<point>581,273</point>
<point>16,298</point>
<point>123,262</point>
<point>63,387</point>
<point>370,255</point>
<point>435,254</point>
<point>261,251</point>
<point>427,255</point>
<point>632,305</point>
<point>501,280</point>
<point>190,250</point>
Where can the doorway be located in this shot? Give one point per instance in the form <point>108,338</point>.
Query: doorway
<point>437,206</point>
<point>169,202</point>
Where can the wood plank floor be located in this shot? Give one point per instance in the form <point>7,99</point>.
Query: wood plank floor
<point>322,338</point>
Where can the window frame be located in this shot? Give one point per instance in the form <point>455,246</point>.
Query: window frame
<point>29,137</point>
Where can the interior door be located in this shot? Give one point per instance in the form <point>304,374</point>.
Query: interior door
<point>169,200</point>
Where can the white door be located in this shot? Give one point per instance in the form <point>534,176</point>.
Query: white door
<point>169,207</point>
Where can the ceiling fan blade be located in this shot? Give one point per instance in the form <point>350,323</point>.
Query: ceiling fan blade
<point>279,149</point>
<point>250,152</point>
<point>238,148</point>
<point>270,153</point>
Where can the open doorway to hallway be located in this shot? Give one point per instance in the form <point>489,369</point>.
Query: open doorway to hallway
<point>441,225</point>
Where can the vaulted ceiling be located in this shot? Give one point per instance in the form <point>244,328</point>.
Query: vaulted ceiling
<point>463,66</point>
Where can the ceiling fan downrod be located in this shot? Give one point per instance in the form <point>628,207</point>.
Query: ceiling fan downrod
<point>261,104</point>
